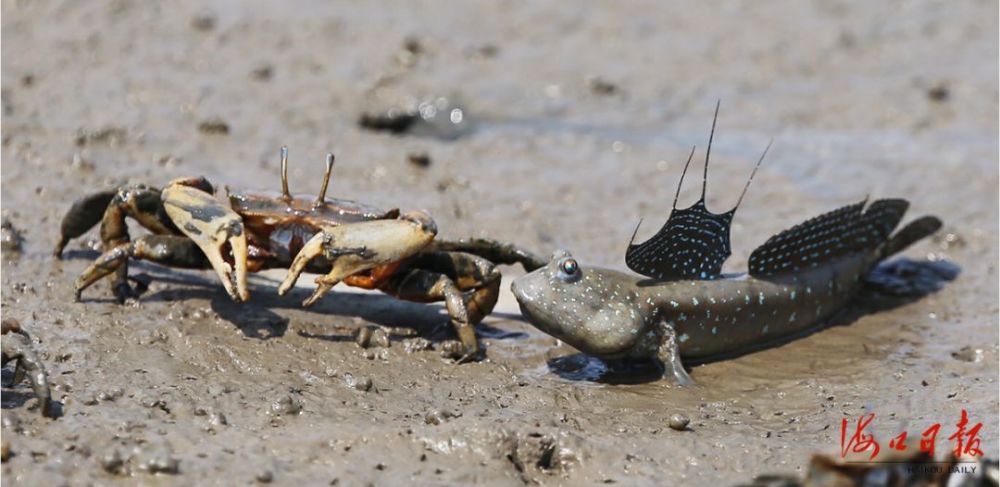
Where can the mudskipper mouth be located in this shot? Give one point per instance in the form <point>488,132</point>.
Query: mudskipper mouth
<point>523,302</point>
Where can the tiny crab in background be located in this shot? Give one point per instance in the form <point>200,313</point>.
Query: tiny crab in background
<point>248,231</point>
<point>17,347</point>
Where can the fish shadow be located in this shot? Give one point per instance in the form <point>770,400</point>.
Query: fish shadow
<point>892,284</point>
<point>587,368</point>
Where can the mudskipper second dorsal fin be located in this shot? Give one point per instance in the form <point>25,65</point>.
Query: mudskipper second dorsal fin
<point>694,242</point>
<point>846,230</point>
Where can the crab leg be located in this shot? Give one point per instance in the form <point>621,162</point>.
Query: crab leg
<point>492,250</point>
<point>214,227</point>
<point>84,214</point>
<point>447,276</point>
<point>357,247</point>
<point>171,250</point>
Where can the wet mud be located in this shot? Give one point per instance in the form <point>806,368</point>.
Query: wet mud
<point>582,120</point>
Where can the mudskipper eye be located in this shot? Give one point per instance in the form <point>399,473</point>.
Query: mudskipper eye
<point>570,267</point>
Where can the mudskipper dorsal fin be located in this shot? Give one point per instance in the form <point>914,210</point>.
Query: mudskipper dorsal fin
<point>846,230</point>
<point>694,242</point>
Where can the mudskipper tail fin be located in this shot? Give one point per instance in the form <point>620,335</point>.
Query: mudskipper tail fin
<point>912,232</point>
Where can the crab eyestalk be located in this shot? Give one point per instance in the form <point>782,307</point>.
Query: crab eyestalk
<point>284,174</point>
<point>215,228</point>
<point>321,197</point>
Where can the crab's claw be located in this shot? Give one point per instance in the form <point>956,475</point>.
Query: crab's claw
<point>215,228</point>
<point>357,247</point>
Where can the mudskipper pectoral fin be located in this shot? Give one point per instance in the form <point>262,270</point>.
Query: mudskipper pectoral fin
<point>212,225</point>
<point>669,355</point>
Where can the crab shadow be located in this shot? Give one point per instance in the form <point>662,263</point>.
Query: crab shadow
<point>257,318</point>
<point>892,284</point>
<point>15,396</point>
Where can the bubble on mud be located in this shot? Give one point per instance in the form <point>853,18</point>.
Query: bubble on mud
<point>157,459</point>
<point>437,117</point>
<point>418,344</point>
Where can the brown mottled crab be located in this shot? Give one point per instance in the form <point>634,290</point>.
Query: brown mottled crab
<point>347,241</point>
<point>17,346</point>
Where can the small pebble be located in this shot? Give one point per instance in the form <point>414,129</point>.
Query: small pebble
<point>364,337</point>
<point>380,338</point>
<point>601,86</point>
<point>678,422</point>
<point>452,350</point>
<point>359,383</point>
<point>419,159</point>
<point>204,21</point>
<point>214,126</point>
<point>265,477</point>
<point>10,237</point>
<point>112,461</point>
<point>217,419</point>
<point>286,405</point>
<point>262,73</point>
<point>968,354</point>
<point>939,92</point>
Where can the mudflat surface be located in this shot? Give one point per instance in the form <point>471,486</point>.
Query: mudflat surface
<point>580,120</point>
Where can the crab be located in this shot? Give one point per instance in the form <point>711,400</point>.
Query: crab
<point>17,346</point>
<point>345,241</point>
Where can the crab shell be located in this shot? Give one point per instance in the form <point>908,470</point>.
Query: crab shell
<point>278,227</point>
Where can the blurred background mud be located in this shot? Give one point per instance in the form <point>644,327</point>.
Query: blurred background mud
<point>545,123</point>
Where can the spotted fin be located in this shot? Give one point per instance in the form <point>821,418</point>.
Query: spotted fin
<point>694,242</point>
<point>846,230</point>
